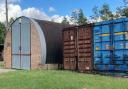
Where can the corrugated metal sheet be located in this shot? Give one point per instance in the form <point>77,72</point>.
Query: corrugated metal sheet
<point>70,48</point>
<point>78,48</point>
<point>53,37</point>
<point>110,45</point>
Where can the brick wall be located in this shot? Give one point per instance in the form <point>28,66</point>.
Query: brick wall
<point>7,50</point>
<point>35,48</point>
<point>35,51</point>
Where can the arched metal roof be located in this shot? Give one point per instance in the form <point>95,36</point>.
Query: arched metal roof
<point>50,34</point>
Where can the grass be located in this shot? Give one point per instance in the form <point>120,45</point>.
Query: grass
<point>1,64</point>
<point>52,79</point>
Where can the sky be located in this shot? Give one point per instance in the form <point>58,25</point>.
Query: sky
<point>53,9</point>
<point>64,7</point>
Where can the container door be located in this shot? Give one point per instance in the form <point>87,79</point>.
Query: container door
<point>119,45</point>
<point>70,58</point>
<point>84,49</point>
<point>25,44</point>
<point>97,46</point>
<point>66,50</point>
<point>126,47</point>
<point>81,50</point>
<point>73,55</point>
<point>16,45</point>
<point>102,48</point>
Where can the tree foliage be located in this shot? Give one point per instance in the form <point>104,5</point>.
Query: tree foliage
<point>81,18</point>
<point>78,17</point>
<point>95,11</point>
<point>99,13</point>
<point>2,33</point>
<point>118,13</point>
<point>105,12</point>
<point>102,13</point>
<point>11,21</point>
<point>74,17</point>
<point>65,21</point>
<point>123,10</point>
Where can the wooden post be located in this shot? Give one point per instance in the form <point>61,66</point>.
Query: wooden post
<point>6,6</point>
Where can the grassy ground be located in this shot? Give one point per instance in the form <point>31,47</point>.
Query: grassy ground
<point>51,79</point>
<point>1,64</point>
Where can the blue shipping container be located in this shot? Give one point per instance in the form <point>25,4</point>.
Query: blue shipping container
<point>111,45</point>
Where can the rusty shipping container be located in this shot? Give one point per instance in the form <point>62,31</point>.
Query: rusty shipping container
<point>77,48</point>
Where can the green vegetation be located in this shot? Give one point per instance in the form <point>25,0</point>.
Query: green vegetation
<point>51,79</point>
<point>2,32</point>
<point>105,12</point>
<point>81,18</point>
<point>98,14</point>
<point>78,17</point>
<point>65,21</point>
<point>1,64</point>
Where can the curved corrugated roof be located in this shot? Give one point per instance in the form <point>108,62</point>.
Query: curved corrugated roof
<point>53,37</point>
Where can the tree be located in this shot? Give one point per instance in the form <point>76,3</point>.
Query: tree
<point>74,17</point>
<point>105,12</point>
<point>11,21</point>
<point>123,10</point>
<point>96,14</point>
<point>118,13</point>
<point>2,33</point>
<point>125,2</point>
<point>81,18</point>
<point>78,17</point>
<point>65,21</point>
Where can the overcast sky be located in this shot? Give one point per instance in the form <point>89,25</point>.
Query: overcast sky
<point>52,9</point>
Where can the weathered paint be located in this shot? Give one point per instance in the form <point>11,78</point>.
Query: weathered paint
<point>42,41</point>
<point>21,44</point>
<point>77,48</point>
<point>110,51</point>
<point>15,45</point>
<point>39,44</point>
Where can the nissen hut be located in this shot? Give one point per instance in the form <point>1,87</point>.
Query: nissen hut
<point>33,44</point>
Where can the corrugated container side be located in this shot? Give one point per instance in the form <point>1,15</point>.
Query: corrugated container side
<point>69,53</point>
<point>77,43</point>
<point>110,45</point>
<point>85,48</point>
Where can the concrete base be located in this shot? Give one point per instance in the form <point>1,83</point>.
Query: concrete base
<point>50,66</point>
<point>5,70</point>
